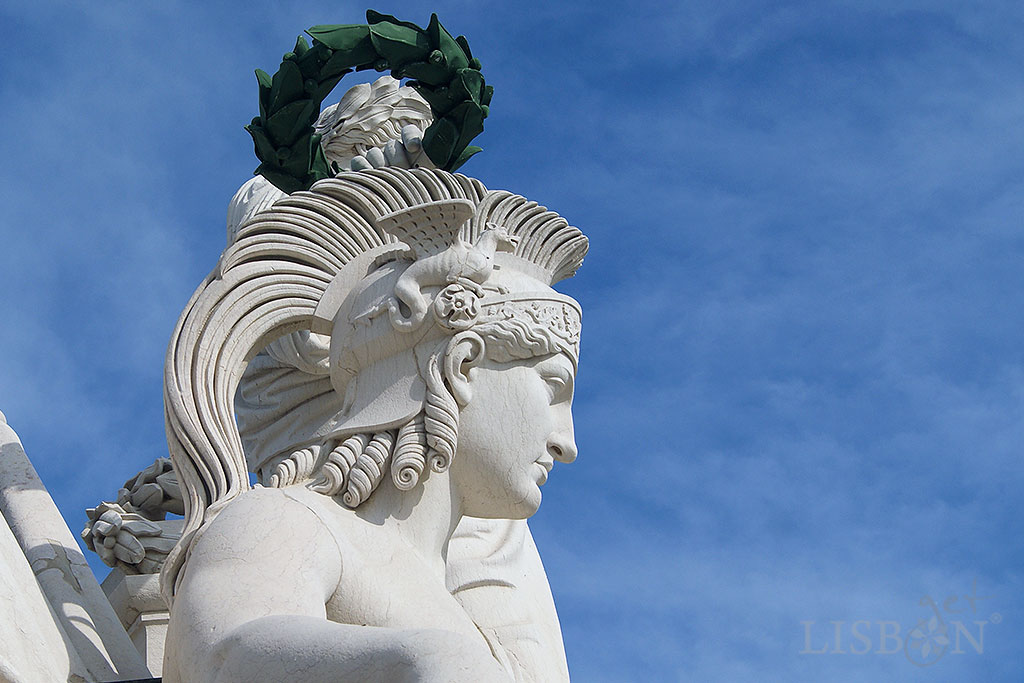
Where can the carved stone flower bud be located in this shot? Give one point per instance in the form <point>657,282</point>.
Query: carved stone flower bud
<point>153,492</point>
<point>126,540</point>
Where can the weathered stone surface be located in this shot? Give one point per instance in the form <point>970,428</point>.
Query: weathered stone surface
<point>94,645</point>
<point>408,394</point>
<point>402,439</point>
<point>140,606</point>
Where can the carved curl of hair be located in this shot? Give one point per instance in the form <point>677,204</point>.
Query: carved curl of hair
<point>441,418</point>
<point>354,467</point>
<point>410,454</point>
<point>295,468</point>
<point>516,339</point>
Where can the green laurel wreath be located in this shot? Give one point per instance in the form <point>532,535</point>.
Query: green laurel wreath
<point>445,74</point>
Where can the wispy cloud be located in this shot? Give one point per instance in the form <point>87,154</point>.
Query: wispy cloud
<point>801,388</point>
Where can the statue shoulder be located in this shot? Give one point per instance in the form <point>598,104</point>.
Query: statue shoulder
<point>269,528</point>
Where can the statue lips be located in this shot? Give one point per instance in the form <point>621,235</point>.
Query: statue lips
<point>546,463</point>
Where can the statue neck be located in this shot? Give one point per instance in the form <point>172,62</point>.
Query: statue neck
<point>424,517</point>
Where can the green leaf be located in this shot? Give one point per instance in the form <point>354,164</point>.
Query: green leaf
<point>309,64</point>
<point>464,157</point>
<point>286,86</point>
<point>345,37</point>
<point>439,141</point>
<point>467,85</point>
<point>488,93</point>
<point>318,168</point>
<point>301,46</point>
<point>432,74</point>
<point>399,45</point>
<point>464,44</point>
<point>305,119</point>
<point>469,120</point>
<point>281,181</point>
<point>326,86</point>
<point>297,162</point>
<point>263,78</point>
<point>263,147</point>
<point>374,17</point>
<point>332,72</point>
<point>342,60</point>
<point>439,99</point>
<point>443,41</point>
<point>281,125</point>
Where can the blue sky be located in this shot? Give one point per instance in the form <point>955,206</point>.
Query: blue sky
<point>801,395</point>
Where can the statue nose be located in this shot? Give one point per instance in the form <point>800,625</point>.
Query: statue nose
<point>562,447</point>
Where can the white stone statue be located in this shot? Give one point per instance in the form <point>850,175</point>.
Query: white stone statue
<point>402,375</point>
<point>55,622</point>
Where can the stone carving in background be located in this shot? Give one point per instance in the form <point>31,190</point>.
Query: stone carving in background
<point>56,623</point>
<point>153,492</point>
<point>133,534</point>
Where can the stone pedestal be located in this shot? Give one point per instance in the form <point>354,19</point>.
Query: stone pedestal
<point>138,604</point>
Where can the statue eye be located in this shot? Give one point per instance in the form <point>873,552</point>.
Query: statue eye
<point>559,383</point>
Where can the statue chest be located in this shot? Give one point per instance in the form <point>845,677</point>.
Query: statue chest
<point>396,589</point>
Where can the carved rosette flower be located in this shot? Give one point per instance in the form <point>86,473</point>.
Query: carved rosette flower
<point>457,307</point>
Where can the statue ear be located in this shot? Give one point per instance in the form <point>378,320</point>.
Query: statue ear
<point>465,351</point>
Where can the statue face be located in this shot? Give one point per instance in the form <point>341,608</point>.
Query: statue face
<point>517,423</point>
